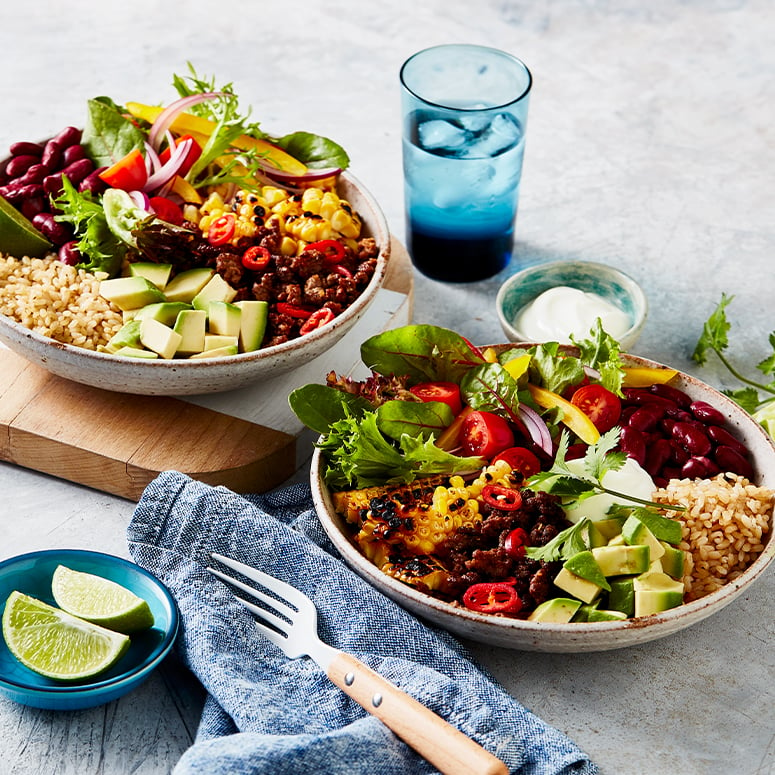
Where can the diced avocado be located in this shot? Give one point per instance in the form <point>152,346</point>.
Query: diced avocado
<point>126,336</point>
<point>594,536</point>
<point>605,615</point>
<point>621,560</point>
<point>187,284</point>
<point>655,592</point>
<point>130,292</point>
<point>617,541</point>
<point>217,352</point>
<point>557,610</point>
<point>610,528</point>
<point>216,289</point>
<point>159,338</point>
<point>622,595</point>
<point>216,341</point>
<point>664,528</point>
<point>673,561</point>
<point>584,590</point>
<point>158,274</point>
<point>583,564</point>
<point>136,352</point>
<point>253,324</point>
<point>191,324</point>
<point>224,318</point>
<point>635,532</point>
<point>164,311</point>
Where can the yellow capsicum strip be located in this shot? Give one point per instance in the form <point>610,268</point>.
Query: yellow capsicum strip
<point>643,376</point>
<point>572,416</point>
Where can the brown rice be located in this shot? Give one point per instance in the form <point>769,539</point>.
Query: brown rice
<point>725,526</point>
<point>57,300</point>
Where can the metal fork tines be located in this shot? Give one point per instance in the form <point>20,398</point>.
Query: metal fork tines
<point>288,618</point>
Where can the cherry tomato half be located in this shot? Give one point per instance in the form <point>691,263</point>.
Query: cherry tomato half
<point>485,434</point>
<point>221,230</point>
<point>503,498</point>
<point>599,404</point>
<point>128,174</point>
<point>317,319</point>
<point>493,597</point>
<point>446,392</point>
<point>520,459</point>
<point>256,258</point>
<point>166,210</point>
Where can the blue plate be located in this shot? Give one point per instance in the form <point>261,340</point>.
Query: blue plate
<point>31,574</point>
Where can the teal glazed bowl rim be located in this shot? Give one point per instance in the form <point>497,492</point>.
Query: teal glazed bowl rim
<point>612,284</point>
<point>31,574</point>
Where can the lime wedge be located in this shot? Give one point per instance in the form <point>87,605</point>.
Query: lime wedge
<point>18,237</point>
<point>55,644</point>
<point>100,601</point>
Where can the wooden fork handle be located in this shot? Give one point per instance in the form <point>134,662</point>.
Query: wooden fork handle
<point>444,746</point>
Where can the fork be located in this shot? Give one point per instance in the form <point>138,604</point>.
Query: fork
<point>292,626</point>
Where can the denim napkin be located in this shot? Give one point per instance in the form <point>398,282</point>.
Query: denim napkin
<point>265,713</point>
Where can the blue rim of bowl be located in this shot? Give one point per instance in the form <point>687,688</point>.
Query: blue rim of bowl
<point>129,675</point>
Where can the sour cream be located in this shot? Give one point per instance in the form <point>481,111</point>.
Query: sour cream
<point>559,312</point>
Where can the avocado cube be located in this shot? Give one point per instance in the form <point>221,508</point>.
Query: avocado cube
<point>126,336</point>
<point>216,341</point>
<point>594,536</point>
<point>583,564</point>
<point>609,528</point>
<point>664,528</point>
<point>216,352</point>
<point>656,592</point>
<point>159,338</point>
<point>557,610</point>
<point>635,532</point>
<point>158,274</point>
<point>621,560</point>
<point>216,289</point>
<point>673,561</point>
<point>622,595</point>
<point>130,292</point>
<point>191,324</point>
<point>136,352</point>
<point>584,590</point>
<point>252,324</point>
<point>224,318</point>
<point>187,284</point>
<point>604,615</point>
<point>164,311</point>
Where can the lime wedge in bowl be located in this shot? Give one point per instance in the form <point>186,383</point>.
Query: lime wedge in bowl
<point>55,644</point>
<point>100,601</point>
<point>18,237</point>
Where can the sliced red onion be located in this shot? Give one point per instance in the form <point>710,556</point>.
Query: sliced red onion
<point>170,168</point>
<point>311,176</point>
<point>152,161</point>
<point>537,428</point>
<point>165,119</point>
<point>140,198</point>
<point>591,373</point>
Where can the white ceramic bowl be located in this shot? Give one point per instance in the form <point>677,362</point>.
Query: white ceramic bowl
<point>213,375</point>
<point>573,637</point>
<point>611,284</point>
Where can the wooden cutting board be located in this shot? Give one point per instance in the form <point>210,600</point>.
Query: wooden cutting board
<point>247,440</point>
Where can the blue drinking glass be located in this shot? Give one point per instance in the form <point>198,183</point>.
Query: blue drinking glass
<point>464,113</point>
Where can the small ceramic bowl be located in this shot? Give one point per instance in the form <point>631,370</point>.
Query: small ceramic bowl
<point>31,574</point>
<point>575,636</point>
<point>211,375</point>
<point>612,285</point>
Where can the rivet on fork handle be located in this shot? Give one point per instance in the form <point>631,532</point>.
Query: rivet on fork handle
<point>444,746</point>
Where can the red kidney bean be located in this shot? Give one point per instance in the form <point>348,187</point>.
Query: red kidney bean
<point>691,438</point>
<point>678,454</point>
<point>678,414</point>
<point>51,158</point>
<point>24,148</point>
<point>52,184</point>
<point>16,191</point>
<point>31,206</point>
<point>633,444</point>
<point>706,413</point>
<point>671,472</point>
<point>721,436</point>
<point>666,426</point>
<point>73,153</point>
<point>93,182</point>
<point>34,174</point>
<point>641,396</point>
<point>657,454</point>
<point>20,164</point>
<point>675,395</point>
<point>57,232</point>
<point>78,170</point>
<point>69,253</point>
<point>646,417</point>
<point>729,459</point>
<point>70,135</point>
<point>694,468</point>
